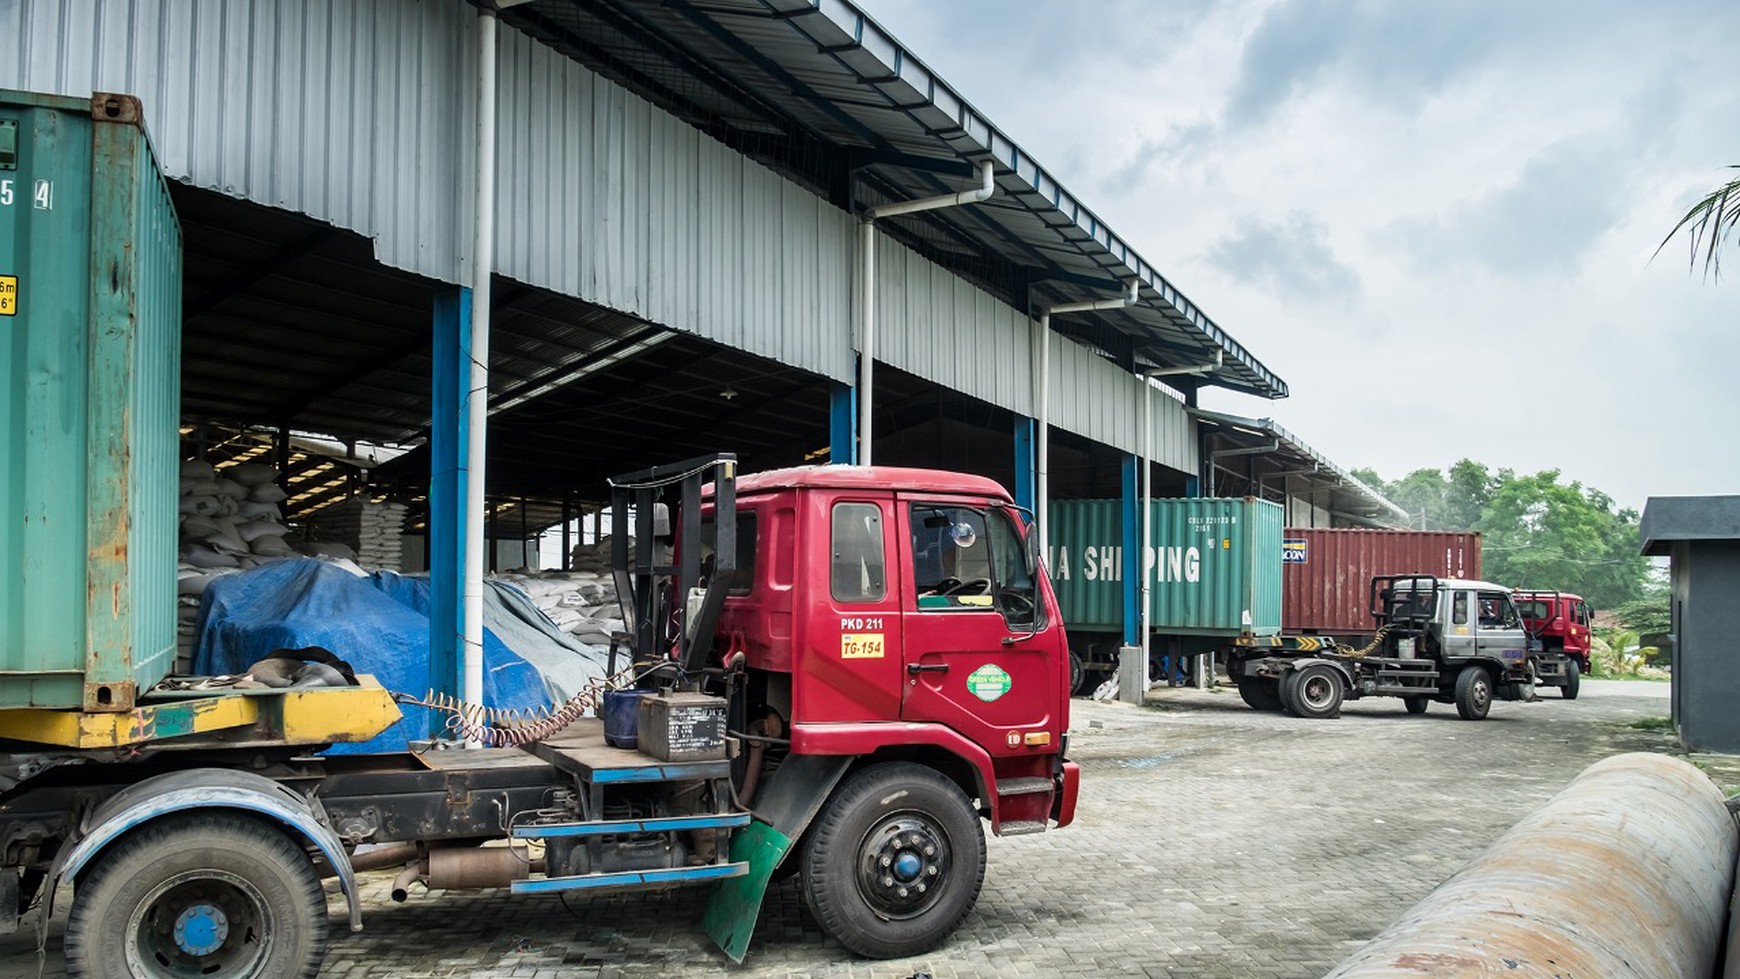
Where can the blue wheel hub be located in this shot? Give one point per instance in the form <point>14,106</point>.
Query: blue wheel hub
<point>201,929</point>
<point>903,866</point>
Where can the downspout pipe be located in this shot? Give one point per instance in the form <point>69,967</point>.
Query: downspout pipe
<point>1209,368</point>
<point>1042,485</point>
<point>1147,485</point>
<point>867,295</point>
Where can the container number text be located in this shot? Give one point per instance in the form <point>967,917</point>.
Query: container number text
<point>41,194</point>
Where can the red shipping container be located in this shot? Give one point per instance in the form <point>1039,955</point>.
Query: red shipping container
<point>1326,574</point>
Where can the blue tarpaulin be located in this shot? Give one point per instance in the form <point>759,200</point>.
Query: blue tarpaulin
<point>379,624</point>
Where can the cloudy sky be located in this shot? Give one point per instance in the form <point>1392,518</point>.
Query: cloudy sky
<point>1434,219</point>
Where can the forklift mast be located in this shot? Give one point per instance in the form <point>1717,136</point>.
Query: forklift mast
<point>670,610</point>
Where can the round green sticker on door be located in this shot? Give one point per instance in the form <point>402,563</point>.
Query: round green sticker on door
<point>988,682</point>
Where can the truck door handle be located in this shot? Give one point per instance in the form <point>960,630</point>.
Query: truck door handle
<point>914,669</point>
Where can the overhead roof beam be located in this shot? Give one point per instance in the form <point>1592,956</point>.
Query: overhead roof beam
<point>248,277</point>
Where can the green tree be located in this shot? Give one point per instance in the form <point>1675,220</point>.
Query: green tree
<point>1535,531</point>
<point>1710,222</point>
<point>1540,533</point>
<point>1466,494</point>
<point>1436,501</point>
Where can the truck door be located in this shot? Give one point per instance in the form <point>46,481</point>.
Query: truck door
<point>1459,630</point>
<point>854,669</point>
<point>1500,636</point>
<point>980,655</point>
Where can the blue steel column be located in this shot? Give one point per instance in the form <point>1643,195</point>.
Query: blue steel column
<point>1192,487</point>
<point>1132,556</point>
<point>1026,463</point>
<point>449,434</point>
<point>842,424</point>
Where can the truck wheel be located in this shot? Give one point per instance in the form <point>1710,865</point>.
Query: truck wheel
<point>1573,680</point>
<point>896,862</point>
<point>1260,693</point>
<point>1415,705</point>
<point>1473,692</point>
<point>1284,690</point>
<point>1317,692</point>
<point>1077,675</point>
<point>205,895</point>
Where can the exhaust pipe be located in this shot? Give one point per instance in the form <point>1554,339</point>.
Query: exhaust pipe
<point>402,883</point>
<point>465,869</point>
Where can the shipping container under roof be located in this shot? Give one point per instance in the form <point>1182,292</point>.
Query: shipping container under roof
<point>823,95</point>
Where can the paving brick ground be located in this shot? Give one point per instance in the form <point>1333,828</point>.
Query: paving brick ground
<point>1212,841</point>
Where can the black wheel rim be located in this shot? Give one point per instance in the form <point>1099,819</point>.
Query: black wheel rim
<point>1314,692</point>
<point>903,865</point>
<point>199,923</point>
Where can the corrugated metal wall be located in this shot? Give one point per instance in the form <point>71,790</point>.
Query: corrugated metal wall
<point>607,198</point>
<point>360,114</point>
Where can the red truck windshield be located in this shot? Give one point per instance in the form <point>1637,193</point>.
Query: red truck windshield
<point>1535,609</point>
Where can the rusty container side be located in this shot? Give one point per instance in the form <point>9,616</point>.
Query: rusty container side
<point>1626,872</point>
<point>1326,573</point>
<point>90,249</point>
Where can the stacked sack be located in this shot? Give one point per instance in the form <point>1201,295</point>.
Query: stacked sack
<point>582,602</point>
<point>373,531</point>
<point>230,520</point>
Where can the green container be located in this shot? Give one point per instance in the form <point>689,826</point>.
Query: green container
<point>1216,566</point>
<point>90,350</point>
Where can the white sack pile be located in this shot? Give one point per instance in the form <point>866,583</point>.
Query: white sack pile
<point>230,520</point>
<point>582,602</point>
<point>371,531</point>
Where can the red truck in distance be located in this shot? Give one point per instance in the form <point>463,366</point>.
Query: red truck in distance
<point>1559,621</point>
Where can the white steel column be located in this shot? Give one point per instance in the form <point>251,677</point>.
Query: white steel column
<point>866,335</point>
<point>477,407</point>
<point>1147,506</point>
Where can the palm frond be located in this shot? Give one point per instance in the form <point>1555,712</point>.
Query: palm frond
<point>1710,222</point>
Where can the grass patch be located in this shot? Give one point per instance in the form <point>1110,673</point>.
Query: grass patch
<point>1653,724</point>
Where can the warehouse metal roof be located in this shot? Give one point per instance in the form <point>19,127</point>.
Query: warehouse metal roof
<point>1285,455</point>
<point>817,91</point>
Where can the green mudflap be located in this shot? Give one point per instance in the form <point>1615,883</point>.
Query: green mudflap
<point>736,902</point>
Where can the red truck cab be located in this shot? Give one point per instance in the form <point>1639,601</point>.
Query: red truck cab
<point>1560,622</point>
<point>891,613</point>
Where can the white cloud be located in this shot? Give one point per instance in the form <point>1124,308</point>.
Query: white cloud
<point>1434,219</point>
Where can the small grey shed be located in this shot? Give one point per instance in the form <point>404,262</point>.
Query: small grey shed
<point>1700,535</point>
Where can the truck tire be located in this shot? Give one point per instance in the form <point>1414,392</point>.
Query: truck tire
<point>1416,705</point>
<point>201,895</point>
<point>1077,675</point>
<point>1317,692</point>
<point>1284,690</point>
<point>1473,692</point>
<point>1573,680</point>
<point>896,862</point>
<point>1260,693</point>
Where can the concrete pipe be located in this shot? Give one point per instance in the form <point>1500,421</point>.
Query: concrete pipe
<point>1627,872</point>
